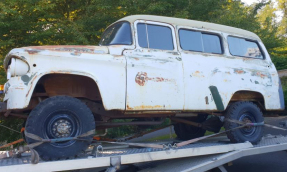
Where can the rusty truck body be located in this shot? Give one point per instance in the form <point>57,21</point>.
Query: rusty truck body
<point>145,67</point>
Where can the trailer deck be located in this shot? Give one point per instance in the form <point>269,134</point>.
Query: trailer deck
<point>201,156</point>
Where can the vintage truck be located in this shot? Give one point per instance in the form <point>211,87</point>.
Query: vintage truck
<point>145,67</point>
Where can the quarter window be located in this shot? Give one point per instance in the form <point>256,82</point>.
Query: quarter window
<point>244,48</point>
<point>198,41</point>
<point>154,36</point>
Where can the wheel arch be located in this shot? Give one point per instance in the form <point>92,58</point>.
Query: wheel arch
<point>247,95</point>
<point>38,80</point>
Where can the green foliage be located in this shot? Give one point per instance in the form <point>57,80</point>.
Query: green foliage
<point>121,131</point>
<point>280,63</point>
<point>127,130</point>
<point>7,135</point>
<point>162,137</point>
<point>284,87</point>
<point>54,22</point>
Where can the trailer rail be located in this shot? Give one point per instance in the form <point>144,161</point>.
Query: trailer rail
<point>201,156</point>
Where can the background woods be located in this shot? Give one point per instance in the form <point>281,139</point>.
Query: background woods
<point>54,22</point>
<point>70,22</point>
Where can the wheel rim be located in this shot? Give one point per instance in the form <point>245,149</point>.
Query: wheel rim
<point>61,124</point>
<point>248,118</point>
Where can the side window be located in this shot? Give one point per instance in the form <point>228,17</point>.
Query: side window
<point>211,44</point>
<point>117,34</point>
<point>190,40</point>
<point>154,36</point>
<point>142,35</point>
<point>198,41</point>
<point>244,48</point>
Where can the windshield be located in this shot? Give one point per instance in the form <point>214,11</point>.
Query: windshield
<point>117,34</point>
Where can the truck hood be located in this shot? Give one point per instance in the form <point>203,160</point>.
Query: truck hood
<point>73,50</point>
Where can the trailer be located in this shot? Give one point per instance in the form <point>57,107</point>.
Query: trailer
<point>200,156</point>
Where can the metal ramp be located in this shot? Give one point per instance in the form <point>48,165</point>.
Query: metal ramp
<point>204,163</point>
<point>200,156</point>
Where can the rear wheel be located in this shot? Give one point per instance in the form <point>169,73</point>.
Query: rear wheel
<point>247,112</point>
<point>60,117</point>
<point>187,132</point>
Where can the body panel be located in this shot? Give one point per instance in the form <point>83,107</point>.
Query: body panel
<point>151,84</point>
<point>100,67</point>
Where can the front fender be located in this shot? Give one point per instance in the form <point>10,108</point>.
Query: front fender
<point>21,89</point>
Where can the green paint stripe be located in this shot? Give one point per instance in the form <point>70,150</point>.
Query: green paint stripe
<point>217,98</point>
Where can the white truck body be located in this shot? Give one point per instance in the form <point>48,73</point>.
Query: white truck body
<point>132,78</point>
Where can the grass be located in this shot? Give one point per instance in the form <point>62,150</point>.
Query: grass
<point>162,137</point>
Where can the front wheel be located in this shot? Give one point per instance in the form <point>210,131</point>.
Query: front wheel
<point>246,112</point>
<point>60,117</point>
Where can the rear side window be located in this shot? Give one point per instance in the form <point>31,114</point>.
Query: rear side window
<point>201,42</point>
<point>244,48</point>
<point>154,36</point>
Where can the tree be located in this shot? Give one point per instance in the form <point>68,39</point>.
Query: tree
<point>282,5</point>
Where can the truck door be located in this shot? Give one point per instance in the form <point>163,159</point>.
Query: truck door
<point>202,55</point>
<point>154,69</point>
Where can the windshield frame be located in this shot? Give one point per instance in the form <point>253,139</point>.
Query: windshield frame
<point>131,33</point>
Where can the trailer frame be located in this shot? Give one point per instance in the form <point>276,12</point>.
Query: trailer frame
<point>209,154</point>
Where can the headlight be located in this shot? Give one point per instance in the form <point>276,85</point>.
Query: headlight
<point>17,67</point>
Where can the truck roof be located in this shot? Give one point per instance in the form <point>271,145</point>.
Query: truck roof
<point>192,23</point>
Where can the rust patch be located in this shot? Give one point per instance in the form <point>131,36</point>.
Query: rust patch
<point>142,107</point>
<point>206,100</point>
<point>239,71</point>
<point>141,78</point>
<point>33,80</point>
<point>117,56</point>
<point>259,74</point>
<point>129,108</point>
<point>32,51</point>
<point>148,107</point>
<point>136,58</point>
<point>197,74</point>
<point>48,47</point>
<point>74,49</point>
<point>28,91</point>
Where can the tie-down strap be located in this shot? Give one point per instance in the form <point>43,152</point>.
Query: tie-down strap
<point>41,140</point>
